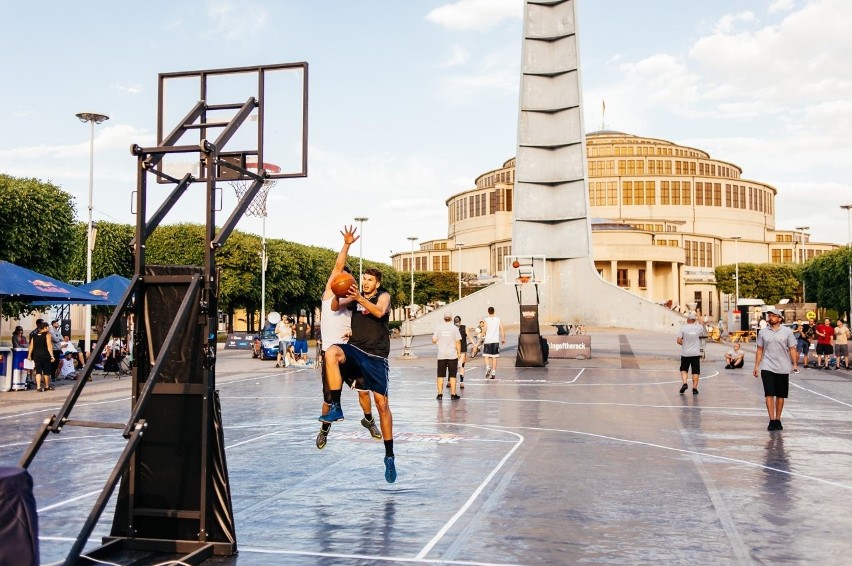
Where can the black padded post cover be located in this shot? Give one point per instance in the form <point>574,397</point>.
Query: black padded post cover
<point>18,518</point>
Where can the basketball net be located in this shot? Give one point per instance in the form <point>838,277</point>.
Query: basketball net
<point>257,207</point>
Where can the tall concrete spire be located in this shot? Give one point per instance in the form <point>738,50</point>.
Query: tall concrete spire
<point>551,197</point>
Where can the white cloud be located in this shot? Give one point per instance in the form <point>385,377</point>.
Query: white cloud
<point>459,57</point>
<point>475,15</point>
<point>781,6</point>
<point>234,20</point>
<point>129,89</point>
<point>726,22</point>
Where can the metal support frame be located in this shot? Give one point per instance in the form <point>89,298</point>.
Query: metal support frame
<point>201,299</point>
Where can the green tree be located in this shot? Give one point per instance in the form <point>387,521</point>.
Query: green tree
<point>38,225</point>
<point>768,281</point>
<point>827,279</point>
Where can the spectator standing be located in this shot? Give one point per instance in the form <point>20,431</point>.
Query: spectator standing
<point>824,350</point>
<point>808,335</point>
<point>463,355</point>
<point>300,333</point>
<point>41,353</point>
<point>841,344</point>
<point>448,339</point>
<point>495,335</point>
<point>56,344</point>
<point>689,338</point>
<point>776,357</point>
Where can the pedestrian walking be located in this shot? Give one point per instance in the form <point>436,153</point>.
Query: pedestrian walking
<point>689,338</point>
<point>495,335</point>
<point>448,339</point>
<point>776,357</point>
<point>841,344</point>
<point>463,355</point>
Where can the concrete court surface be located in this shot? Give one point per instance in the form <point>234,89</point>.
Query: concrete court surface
<point>597,461</point>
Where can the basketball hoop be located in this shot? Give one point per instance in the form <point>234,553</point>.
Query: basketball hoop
<point>258,203</point>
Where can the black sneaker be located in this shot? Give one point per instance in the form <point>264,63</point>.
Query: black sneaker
<point>448,385</point>
<point>694,391</point>
<point>771,425</point>
<point>371,426</point>
<point>778,425</point>
<point>440,396</point>
<point>683,388</point>
<point>455,397</point>
<point>322,438</point>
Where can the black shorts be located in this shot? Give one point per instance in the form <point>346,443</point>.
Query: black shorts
<point>775,384</point>
<point>451,366</point>
<point>693,361</point>
<point>824,349</point>
<point>491,349</point>
<point>326,393</point>
<point>43,366</point>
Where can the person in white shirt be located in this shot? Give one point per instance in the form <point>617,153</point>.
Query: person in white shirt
<point>735,358</point>
<point>494,336</point>
<point>841,344</point>
<point>448,339</point>
<point>689,337</point>
<point>67,369</point>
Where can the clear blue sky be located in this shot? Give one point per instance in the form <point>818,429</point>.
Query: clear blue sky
<point>411,100</point>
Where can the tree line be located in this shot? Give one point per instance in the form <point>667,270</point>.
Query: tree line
<point>40,233</point>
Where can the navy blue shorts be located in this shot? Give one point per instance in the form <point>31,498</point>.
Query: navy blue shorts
<point>368,372</point>
<point>300,347</point>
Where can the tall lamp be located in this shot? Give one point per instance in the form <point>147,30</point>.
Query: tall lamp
<point>848,208</point>
<point>360,220</point>
<point>459,247</point>
<point>92,118</point>
<point>736,240</point>
<point>801,230</point>
<point>412,239</point>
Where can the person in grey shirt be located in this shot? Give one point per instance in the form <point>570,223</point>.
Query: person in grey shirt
<point>689,337</point>
<point>448,339</point>
<point>776,357</point>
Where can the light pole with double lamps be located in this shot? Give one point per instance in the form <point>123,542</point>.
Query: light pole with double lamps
<point>459,247</point>
<point>802,250</point>
<point>412,239</point>
<point>848,208</point>
<point>360,220</point>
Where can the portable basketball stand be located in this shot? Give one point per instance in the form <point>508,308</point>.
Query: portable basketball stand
<point>174,500</point>
<point>523,272</point>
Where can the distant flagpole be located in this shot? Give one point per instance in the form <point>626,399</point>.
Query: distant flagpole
<point>603,114</point>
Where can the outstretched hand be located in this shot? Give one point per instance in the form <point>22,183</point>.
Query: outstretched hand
<point>348,234</point>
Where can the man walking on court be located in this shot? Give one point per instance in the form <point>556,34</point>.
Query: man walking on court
<point>494,336</point>
<point>335,328</point>
<point>776,356</point>
<point>365,357</point>
<point>689,337</point>
<point>448,339</point>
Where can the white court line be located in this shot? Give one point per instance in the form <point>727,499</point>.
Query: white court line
<point>576,377</point>
<point>67,501</point>
<point>58,439</point>
<point>440,534</point>
<point>259,550</point>
<point>692,452</point>
<point>54,409</point>
<point>820,394</point>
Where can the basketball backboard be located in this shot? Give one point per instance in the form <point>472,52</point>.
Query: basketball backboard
<point>271,129</point>
<point>521,269</point>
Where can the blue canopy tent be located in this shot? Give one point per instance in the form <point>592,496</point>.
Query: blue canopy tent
<point>27,286</point>
<point>108,292</point>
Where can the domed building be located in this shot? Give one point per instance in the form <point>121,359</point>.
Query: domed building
<point>664,216</point>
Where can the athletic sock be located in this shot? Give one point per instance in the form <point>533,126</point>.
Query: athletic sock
<point>335,395</point>
<point>325,427</point>
<point>368,416</point>
<point>389,448</point>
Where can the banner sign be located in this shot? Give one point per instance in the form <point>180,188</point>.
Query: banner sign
<point>570,347</point>
<point>241,341</point>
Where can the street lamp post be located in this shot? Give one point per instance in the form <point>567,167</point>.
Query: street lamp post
<point>801,230</point>
<point>360,220</point>
<point>412,239</point>
<point>459,247</point>
<point>848,208</point>
<point>92,118</point>
<point>736,240</point>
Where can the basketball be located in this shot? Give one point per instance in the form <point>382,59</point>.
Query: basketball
<point>341,283</point>
<point>516,264</point>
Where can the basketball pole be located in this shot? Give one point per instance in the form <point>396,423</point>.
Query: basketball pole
<point>263,274</point>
